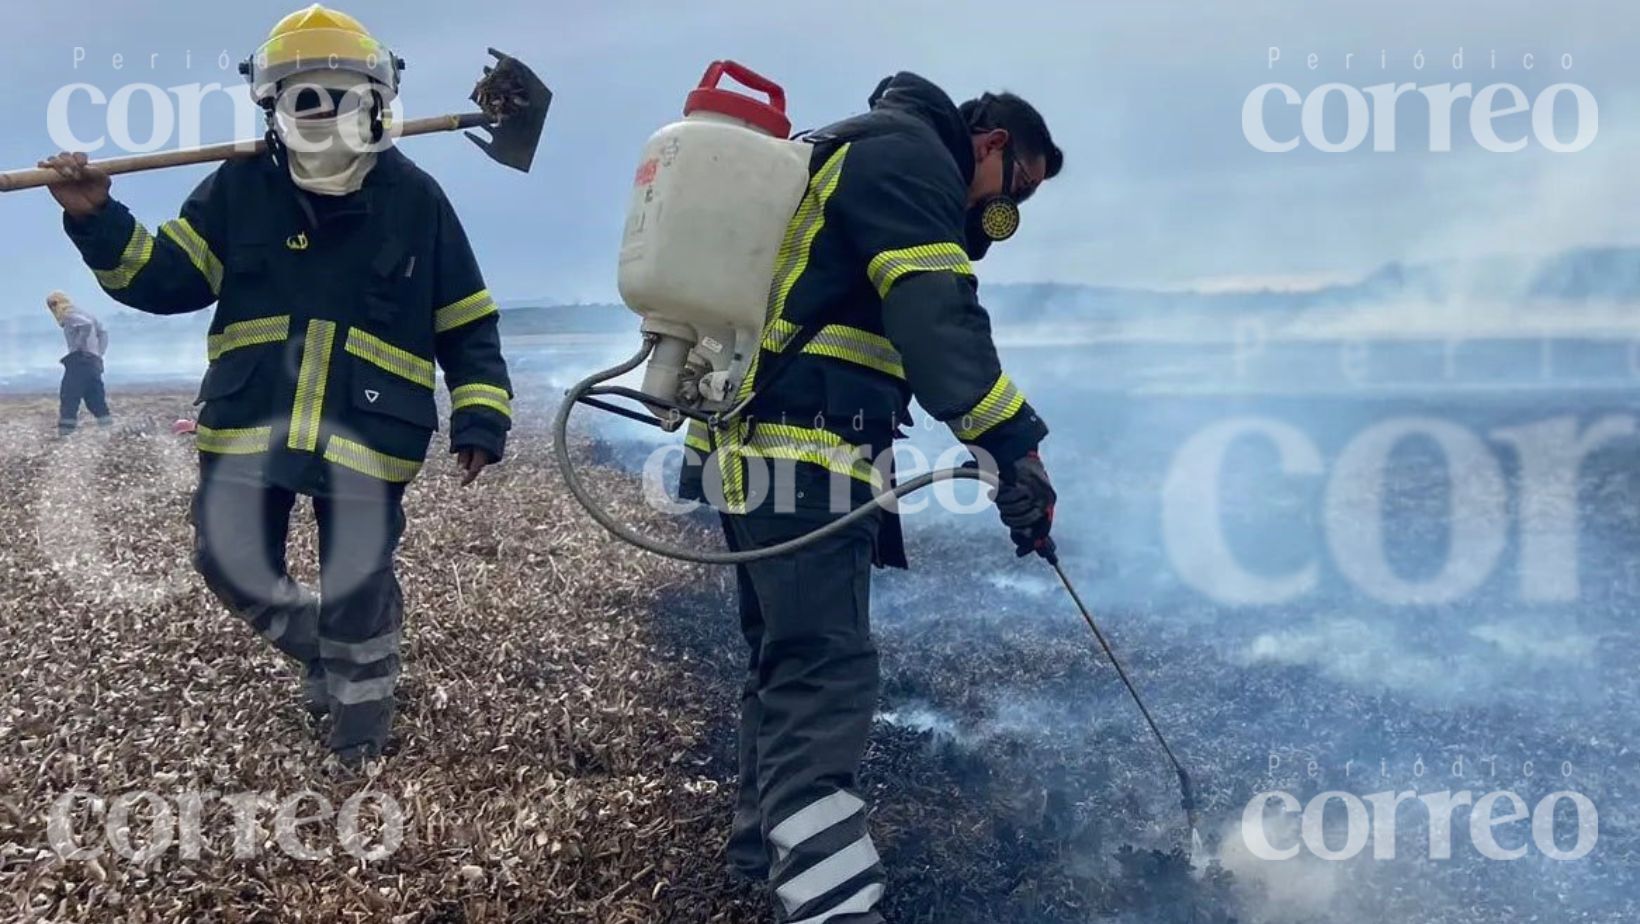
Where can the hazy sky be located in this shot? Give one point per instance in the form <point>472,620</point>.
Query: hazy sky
<point>1160,186</point>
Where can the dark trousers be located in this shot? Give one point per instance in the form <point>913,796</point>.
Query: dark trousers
<point>82,382</point>
<point>349,635</point>
<point>806,711</point>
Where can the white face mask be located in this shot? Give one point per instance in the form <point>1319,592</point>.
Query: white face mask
<point>329,156</point>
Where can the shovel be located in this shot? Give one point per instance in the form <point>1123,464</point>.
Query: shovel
<point>512,104</point>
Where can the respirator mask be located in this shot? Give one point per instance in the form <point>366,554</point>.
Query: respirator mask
<point>330,126</point>
<point>997,218</point>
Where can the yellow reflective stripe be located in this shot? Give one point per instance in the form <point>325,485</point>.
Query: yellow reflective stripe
<point>384,355</point>
<point>199,252</point>
<point>310,386</point>
<point>790,262</point>
<point>812,445</point>
<point>479,395</point>
<point>887,267</point>
<point>233,442</point>
<point>1002,402</point>
<point>839,341</point>
<point>698,436</point>
<point>247,333</point>
<point>777,333</point>
<point>367,461</point>
<point>854,345</point>
<point>138,250</point>
<point>470,309</point>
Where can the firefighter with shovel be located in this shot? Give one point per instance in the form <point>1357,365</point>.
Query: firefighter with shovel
<point>342,280</point>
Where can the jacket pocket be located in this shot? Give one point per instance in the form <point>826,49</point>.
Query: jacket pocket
<point>227,393</point>
<point>391,286</point>
<point>390,414</point>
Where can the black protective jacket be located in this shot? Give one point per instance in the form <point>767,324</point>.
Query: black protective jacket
<point>331,313</point>
<point>874,302</point>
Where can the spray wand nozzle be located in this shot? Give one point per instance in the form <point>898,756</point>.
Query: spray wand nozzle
<point>1187,790</point>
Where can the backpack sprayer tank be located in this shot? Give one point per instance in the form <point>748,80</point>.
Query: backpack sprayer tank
<point>710,204</point>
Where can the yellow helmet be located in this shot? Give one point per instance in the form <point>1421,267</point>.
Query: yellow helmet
<point>317,39</point>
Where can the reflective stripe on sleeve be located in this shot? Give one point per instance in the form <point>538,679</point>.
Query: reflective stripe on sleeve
<point>138,251</point>
<point>480,395</point>
<point>384,355</point>
<point>199,252</point>
<point>1002,402</point>
<point>463,312</point>
<point>887,267</point>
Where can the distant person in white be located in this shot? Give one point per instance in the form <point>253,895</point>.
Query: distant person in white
<point>82,366</point>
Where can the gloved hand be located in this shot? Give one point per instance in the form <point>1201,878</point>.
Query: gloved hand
<point>1026,501</point>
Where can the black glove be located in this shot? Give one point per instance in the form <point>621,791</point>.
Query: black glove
<point>1025,501</point>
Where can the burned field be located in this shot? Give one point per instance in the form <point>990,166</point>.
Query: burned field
<point>566,727</point>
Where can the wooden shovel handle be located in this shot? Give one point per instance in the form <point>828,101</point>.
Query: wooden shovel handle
<point>38,176</point>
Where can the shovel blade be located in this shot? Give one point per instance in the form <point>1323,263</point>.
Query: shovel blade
<point>516,101</point>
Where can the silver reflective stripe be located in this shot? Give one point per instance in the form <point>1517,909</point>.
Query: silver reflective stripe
<point>366,652</point>
<point>858,903</point>
<point>352,692</point>
<point>828,874</point>
<point>817,816</point>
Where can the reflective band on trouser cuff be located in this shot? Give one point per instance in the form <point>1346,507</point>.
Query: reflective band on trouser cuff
<point>817,816</point>
<point>310,386</point>
<point>887,267</point>
<point>1000,403</point>
<point>698,436</point>
<point>828,874</point>
<point>233,442</point>
<point>384,355</point>
<point>367,461</point>
<point>479,395</point>
<point>247,333</point>
<point>817,447</point>
<point>790,262</point>
<point>858,903</point>
<point>466,311</point>
<point>366,652</point>
<point>138,250</point>
<point>199,252</point>
<point>353,692</point>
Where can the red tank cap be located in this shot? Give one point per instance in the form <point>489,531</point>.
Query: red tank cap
<point>769,116</point>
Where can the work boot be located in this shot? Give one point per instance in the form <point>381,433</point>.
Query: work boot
<point>360,731</point>
<point>747,854</point>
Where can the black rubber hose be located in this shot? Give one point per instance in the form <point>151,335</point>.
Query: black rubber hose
<point>560,436</point>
